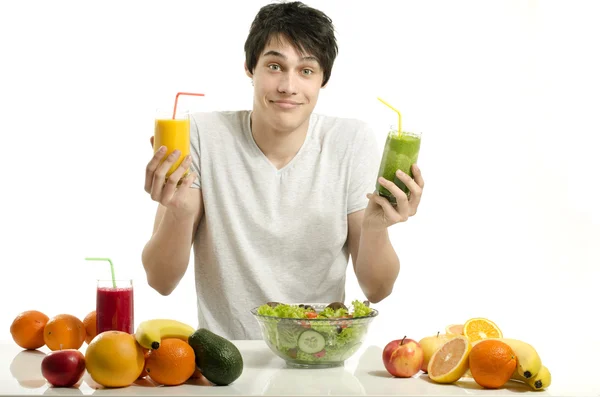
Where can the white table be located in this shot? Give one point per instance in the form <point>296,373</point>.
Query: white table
<point>266,374</point>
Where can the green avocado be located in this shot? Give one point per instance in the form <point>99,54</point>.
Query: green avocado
<point>218,359</point>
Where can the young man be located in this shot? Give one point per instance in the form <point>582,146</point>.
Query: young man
<point>280,197</point>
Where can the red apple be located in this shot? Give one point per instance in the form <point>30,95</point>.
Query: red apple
<point>403,357</point>
<point>63,368</point>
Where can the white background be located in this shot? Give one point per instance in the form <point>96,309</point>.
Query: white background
<point>505,93</point>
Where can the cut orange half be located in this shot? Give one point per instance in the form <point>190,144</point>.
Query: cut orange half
<point>451,361</point>
<point>455,329</point>
<point>479,328</point>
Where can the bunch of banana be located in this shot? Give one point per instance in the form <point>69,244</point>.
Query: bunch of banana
<point>149,333</point>
<point>538,382</point>
<point>529,364</point>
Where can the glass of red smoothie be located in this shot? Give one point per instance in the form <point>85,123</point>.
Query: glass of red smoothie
<point>114,306</point>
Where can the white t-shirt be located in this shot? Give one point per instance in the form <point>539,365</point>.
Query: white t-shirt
<point>274,235</point>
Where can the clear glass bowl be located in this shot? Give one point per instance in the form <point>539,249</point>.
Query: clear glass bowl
<point>314,343</point>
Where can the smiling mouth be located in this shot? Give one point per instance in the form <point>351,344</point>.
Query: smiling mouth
<point>286,104</point>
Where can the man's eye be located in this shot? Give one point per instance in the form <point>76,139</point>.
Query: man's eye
<point>307,72</point>
<point>274,67</point>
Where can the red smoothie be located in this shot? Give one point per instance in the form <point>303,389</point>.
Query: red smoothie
<point>114,309</point>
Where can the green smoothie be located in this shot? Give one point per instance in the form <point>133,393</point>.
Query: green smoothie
<point>400,153</point>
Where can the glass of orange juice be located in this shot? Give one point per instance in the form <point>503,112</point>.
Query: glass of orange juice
<point>174,133</point>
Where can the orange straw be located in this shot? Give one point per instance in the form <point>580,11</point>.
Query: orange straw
<point>177,98</point>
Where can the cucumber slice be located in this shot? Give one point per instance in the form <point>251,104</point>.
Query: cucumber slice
<point>350,351</point>
<point>311,341</point>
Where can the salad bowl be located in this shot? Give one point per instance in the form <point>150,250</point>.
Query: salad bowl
<point>314,335</point>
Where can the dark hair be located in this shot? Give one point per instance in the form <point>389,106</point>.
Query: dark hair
<point>309,31</point>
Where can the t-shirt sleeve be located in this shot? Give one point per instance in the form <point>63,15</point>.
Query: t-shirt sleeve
<point>195,151</point>
<point>363,170</point>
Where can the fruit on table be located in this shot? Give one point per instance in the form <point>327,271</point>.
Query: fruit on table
<point>540,381</point>
<point>89,323</point>
<point>27,329</point>
<point>430,344</point>
<point>218,359</point>
<point>150,332</point>
<point>64,331</point>
<point>63,368</point>
<point>456,329</point>
<point>450,362</point>
<point>528,367</point>
<point>481,328</point>
<point>172,364</point>
<point>403,357</point>
<point>492,363</point>
<point>529,362</point>
<point>114,359</point>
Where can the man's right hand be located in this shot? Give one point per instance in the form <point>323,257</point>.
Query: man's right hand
<point>170,192</point>
<point>166,256</point>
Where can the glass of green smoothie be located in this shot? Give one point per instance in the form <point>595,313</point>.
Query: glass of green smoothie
<point>400,153</point>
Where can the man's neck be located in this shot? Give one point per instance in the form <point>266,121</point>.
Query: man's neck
<point>278,146</point>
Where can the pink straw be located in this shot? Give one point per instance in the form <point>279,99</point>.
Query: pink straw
<point>177,98</point>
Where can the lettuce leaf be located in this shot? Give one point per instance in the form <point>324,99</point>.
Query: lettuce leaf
<point>288,333</point>
<point>283,311</point>
<point>330,313</point>
<point>293,311</point>
<point>360,309</point>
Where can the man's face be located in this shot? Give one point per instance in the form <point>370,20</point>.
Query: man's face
<point>286,85</point>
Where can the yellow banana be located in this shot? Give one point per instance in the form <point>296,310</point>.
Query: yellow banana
<point>528,360</point>
<point>149,333</point>
<point>538,382</point>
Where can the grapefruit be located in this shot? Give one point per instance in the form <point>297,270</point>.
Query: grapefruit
<point>450,362</point>
<point>114,359</point>
<point>455,329</point>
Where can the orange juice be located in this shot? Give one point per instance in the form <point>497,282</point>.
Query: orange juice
<point>174,134</point>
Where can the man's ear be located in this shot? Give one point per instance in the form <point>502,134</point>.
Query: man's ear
<point>248,72</point>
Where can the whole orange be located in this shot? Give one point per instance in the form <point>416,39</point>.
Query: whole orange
<point>89,322</point>
<point>492,363</point>
<point>172,363</point>
<point>27,329</point>
<point>114,359</point>
<point>64,331</point>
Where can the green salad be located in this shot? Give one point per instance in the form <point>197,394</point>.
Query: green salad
<point>334,337</point>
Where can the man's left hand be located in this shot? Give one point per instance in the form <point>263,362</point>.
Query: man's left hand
<point>381,214</point>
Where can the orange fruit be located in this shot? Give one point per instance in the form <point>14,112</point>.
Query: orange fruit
<point>114,359</point>
<point>27,329</point>
<point>89,322</point>
<point>450,362</point>
<point>455,329</point>
<point>172,363</point>
<point>64,331</point>
<point>481,328</point>
<point>492,363</point>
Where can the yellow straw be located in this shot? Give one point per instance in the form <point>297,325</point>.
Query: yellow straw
<point>399,115</point>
